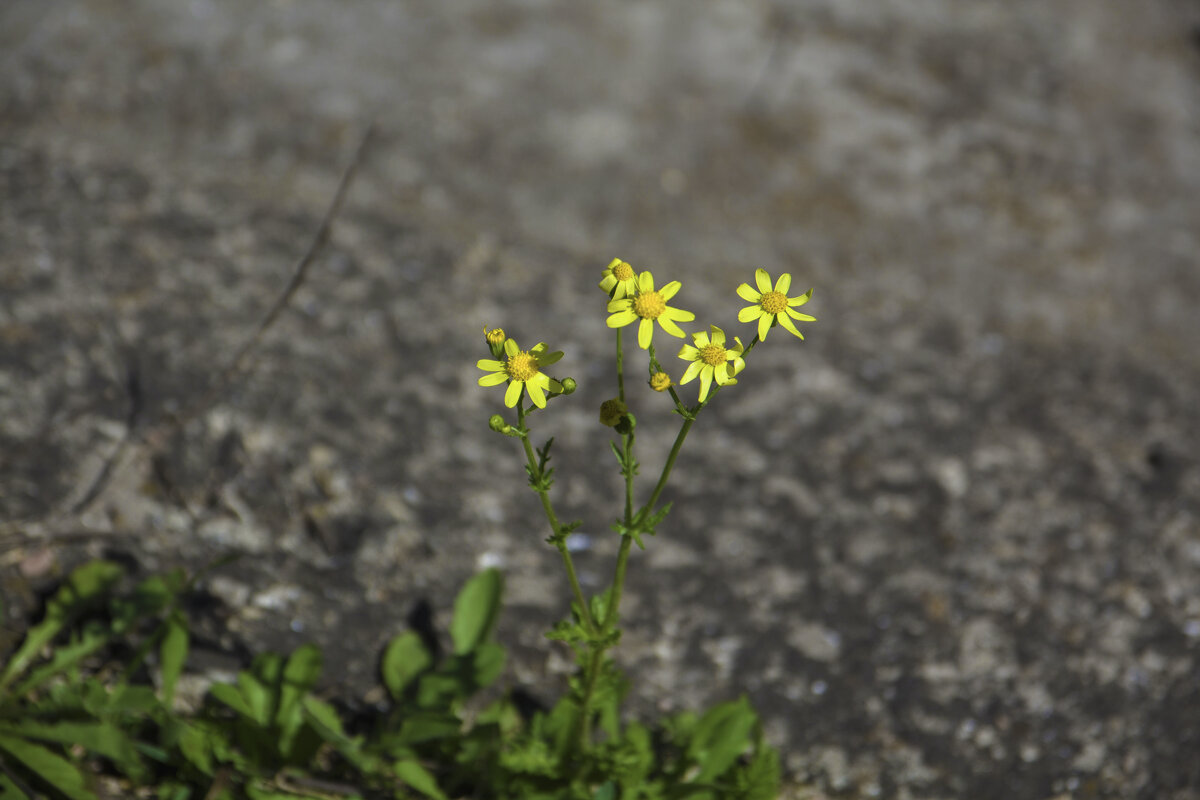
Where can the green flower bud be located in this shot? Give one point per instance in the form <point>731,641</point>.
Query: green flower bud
<point>611,412</point>
<point>568,385</point>
<point>497,423</point>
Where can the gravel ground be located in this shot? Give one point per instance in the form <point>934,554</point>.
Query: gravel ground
<point>948,545</point>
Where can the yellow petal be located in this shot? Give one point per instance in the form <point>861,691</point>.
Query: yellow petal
<point>494,379</point>
<point>750,313</point>
<point>489,364</point>
<point>692,371</point>
<point>510,347</point>
<point>706,376</point>
<point>748,294</point>
<point>645,333</point>
<point>670,327</point>
<point>764,325</point>
<point>670,290</point>
<point>784,283</point>
<point>536,394</point>
<point>513,392</point>
<point>763,280</point>
<point>678,314</point>
<point>802,299</point>
<point>617,305</point>
<point>718,336</point>
<point>799,316</point>
<point>791,326</point>
<point>689,353</point>
<point>620,319</point>
<point>646,282</point>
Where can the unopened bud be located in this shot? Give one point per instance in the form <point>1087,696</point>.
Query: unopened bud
<point>568,385</point>
<point>495,339</point>
<point>627,423</point>
<point>611,412</point>
<point>660,381</point>
<point>497,423</point>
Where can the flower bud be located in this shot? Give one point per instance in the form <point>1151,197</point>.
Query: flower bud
<point>626,424</point>
<point>660,381</point>
<point>612,411</point>
<point>497,423</point>
<point>495,340</point>
<point>568,385</point>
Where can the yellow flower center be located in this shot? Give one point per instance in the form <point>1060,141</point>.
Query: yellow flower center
<point>623,271</point>
<point>660,381</point>
<point>773,302</point>
<point>713,355</point>
<point>649,305</point>
<point>521,367</point>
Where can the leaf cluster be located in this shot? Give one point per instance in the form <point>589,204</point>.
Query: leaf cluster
<point>87,711</point>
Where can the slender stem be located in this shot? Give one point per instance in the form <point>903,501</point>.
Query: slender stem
<point>666,473</point>
<point>555,525</point>
<point>620,368</point>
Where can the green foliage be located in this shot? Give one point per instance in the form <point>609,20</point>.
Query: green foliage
<point>67,717</point>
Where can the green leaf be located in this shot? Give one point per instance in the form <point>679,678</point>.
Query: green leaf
<point>326,719</point>
<point>83,586</point>
<point>172,653</point>
<point>425,726</point>
<point>606,791</point>
<point>101,738</point>
<point>91,638</point>
<point>489,663</point>
<point>196,745</point>
<point>301,673</point>
<point>418,777</point>
<point>721,735</point>
<point>404,659</point>
<point>228,694</point>
<point>475,610</point>
<point>49,766</point>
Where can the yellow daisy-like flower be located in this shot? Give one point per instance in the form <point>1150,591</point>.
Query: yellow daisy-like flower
<point>619,279</point>
<point>772,305</point>
<point>710,360</point>
<point>649,305</point>
<point>522,370</point>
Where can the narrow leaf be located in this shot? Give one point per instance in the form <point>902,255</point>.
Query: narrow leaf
<point>49,766</point>
<point>418,777</point>
<point>172,654</point>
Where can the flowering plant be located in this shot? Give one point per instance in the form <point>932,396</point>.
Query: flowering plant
<point>587,720</point>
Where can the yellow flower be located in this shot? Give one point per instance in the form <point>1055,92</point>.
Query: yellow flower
<point>770,304</point>
<point>710,360</point>
<point>620,280</point>
<point>660,381</point>
<point>649,305</point>
<point>522,370</point>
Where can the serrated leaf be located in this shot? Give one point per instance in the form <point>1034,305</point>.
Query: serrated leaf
<point>91,638</point>
<point>84,585</point>
<point>49,766</point>
<point>476,610</point>
<point>404,659</point>
<point>172,654</point>
<point>416,776</point>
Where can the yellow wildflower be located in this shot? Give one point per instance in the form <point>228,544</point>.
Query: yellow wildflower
<point>710,360</point>
<point>619,279</point>
<point>648,305</point>
<point>770,304</point>
<point>522,370</point>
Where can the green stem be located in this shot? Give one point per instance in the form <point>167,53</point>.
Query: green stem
<point>555,526</point>
<point>620,368</point>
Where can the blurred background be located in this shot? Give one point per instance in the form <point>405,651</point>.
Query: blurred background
<point>948,544</point>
